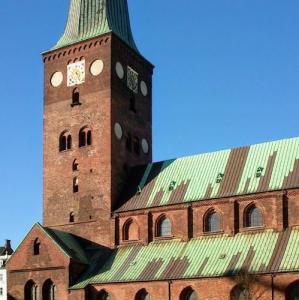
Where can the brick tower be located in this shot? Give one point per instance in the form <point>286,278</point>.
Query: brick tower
<point>97,118</point>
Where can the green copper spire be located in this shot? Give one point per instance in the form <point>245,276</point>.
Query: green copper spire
<point>91,18</point>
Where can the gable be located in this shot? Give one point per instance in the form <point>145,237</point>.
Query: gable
<point>246,170</point>
<point>50,255</point>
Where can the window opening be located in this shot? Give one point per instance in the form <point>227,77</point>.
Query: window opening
<point>36,247</point>
<point>75,98</point>
<point>164,227</point>
<point>212,222</point>
<point>72,217</point>
<point>75,185</point>
<point>85,137</point>
<point>254,217</point>
<point>65,141</point>
<point>75,166</point>
<point>49,290</point>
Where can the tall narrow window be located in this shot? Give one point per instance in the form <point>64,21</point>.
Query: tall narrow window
<point>49,290</point>
<point>164,227</point>
<point>65,141</point>
<point>36,247</point>
<point>72,217</point>
<point>253,217</point>
<point>30,290</point>
<point>85,137</point>
<point>75,97</point>
<point>75,165</point>
<point>212,222</point>
<point>75,185</point>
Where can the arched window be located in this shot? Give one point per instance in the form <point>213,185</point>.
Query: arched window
<point>36,247</point>
<point>103,295</point>
<point>85,137</point>
<point>75,97</point>
<point>143,295</point>
<point>65,141</point>
<point>164,227</point>
<point>72,217</point>
<point>253,217</point>
<point>212,222</point>
<point>188,294</point>
<point>49,290</point>
<point>240,293</point>
<point>75,185</point>
<point>30,290</point>
<point>292,292</point>
<point>130,231</point>
<point>75,165</point>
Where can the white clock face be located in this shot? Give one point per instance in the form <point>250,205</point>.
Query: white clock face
<point>76,73</point>
<point>56,79</point>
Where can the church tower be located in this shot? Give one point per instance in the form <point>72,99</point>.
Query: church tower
<point>97,118</point>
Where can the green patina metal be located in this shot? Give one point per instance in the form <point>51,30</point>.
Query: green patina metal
<point>209,256</point>
<point>277,164</point>
<point>91,18</point>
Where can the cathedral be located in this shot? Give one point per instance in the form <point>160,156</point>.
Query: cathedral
<point>117,226</point>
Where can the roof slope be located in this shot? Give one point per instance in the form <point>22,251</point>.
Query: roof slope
<point>73,246</point>
<point>91,18</point>
<point>214,175</point>
<point>212,256</point>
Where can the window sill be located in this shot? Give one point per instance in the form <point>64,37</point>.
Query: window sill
<point>211,233</point>
<point>162,238</point>
<point>252,229</point>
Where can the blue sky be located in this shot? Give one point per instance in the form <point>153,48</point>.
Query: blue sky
<point>227,74</point>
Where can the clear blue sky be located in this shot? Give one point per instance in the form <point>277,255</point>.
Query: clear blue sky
<point>227,74</point>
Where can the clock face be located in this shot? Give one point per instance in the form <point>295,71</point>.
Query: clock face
<point>132,80</point>
<point>76,73</point>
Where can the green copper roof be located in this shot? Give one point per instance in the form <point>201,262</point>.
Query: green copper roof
<point>91,18</point>
<point>246,170</point>
<point>210,256</point>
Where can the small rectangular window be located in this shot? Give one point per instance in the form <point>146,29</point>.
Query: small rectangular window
<point>1,291</point>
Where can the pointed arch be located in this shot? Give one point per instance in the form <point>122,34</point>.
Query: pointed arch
<point>240,292</point>
<point>143,295</point>
<point>130,230</point>
<point>189,293</point>
<point>75,166</point>
<point>36,246</point>
<point>292,291</point>
<point>253,216</point>
<point>49,290</point>
<point>163,226</point>
<point>85,137</point>
<point>212,221</point>
<point>30,290</point>
<point>65,141</point>
<point>103,295</point>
